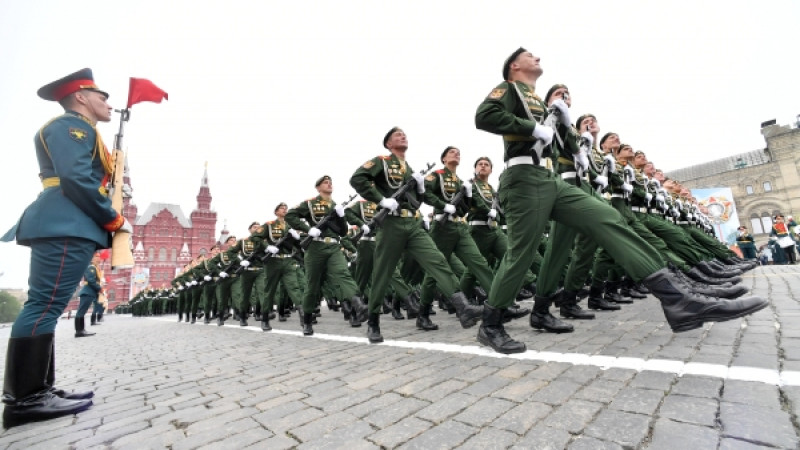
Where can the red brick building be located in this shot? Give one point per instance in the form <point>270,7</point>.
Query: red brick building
<point>164,241</point>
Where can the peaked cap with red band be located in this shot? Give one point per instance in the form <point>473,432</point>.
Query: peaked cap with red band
<point>74,82</point>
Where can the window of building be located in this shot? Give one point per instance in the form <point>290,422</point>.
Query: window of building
<point>755,225</point>
<point>174,254</point>
<point>150,253</point>
<point>767,186</point>
<point>162,254</point>
<point>766,223</point>
<point>748,189</point>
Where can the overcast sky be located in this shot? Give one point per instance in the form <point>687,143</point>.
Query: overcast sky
<point>275,94</point>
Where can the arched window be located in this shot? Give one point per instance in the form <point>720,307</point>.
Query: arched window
<point>162,254</point>
<point>174,254</point>
<point>767,186</point>
<point>755,224</point>
<point>748,189</point>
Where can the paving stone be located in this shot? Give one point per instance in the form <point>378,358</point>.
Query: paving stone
<point>618,374</point>
<point>555,393</point>
<point>521,418</point>
<point>440,411</point>
<point>542,437</point>
<point>580,374</point>
<point>520,389</point>
<point>626,429</point>
<point>350,436</point>
<point>669,435</point>
<point>447,435</point>
<point>642,401</point>
<point>650,379</point>
<point>587,443</point>
<point>203,436</point>
<point>489,438</point>
<point>484,411</point>
<point>700,411</point>
<point>600,390</point>
<point>751,393</point>
<point>402,431</point>
<point>735,444</point>
<point>395,412</point>
<point>487,386</point>
<point>757,424</point>
<point>573,415</point>
<point>696,386</point>
<point>322,426</point>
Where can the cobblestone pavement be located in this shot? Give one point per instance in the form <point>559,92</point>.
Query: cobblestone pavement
<point>621,381</point>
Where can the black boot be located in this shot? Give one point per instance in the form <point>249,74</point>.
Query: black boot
<point>347,310</point>
<point>412,306</point>
<point>265,323</point>
<point>206,319</point>
<point>93,319</point>
<point>221,318</point>
<point>374,328</point>
<point>524,294</point>
<point>332,303</point>
<point>493,334</point>
<point>612,293</point>
<point>541,319</point>
<point>697,275</point>
<point>628,290</point>
<point>480,294</point>
<point>351,316</point>
<point>26,394</point>
<point>424,319</point>
<point>444,304</point>
<point>359,308</point>
<point>711,271</point>
<point>51,379</point>
<point>515,312</point>
<point>596,300</point>
<point>243,319</point>
<point>729,292</point>
<point>397,312</point>
<point>467,314</point>
<point>282,313</point>
<point>80,327</point>
<point>570,309</point>
<point>194,318</point>
<point>100,317</point>
<point>387,304</point>
<point>308,318</point>
<point>686,310</point>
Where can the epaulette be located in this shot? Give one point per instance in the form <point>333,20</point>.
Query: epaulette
<point>270,222</point>
<point>440,171</point>
<point>385,157</point>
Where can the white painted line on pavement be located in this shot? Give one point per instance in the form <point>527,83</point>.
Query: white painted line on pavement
<point>679,368</point>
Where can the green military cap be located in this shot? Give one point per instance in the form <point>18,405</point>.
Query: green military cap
<point>606,136</point>
<point>580,119</point>
<point>449,147</point>
<point>321,179</point>
<point>553,90</point>
<point>282,204</point>
<point>483,158</point>
<point>74,82</point>
<point>510,60</point>
<point>389,135</point>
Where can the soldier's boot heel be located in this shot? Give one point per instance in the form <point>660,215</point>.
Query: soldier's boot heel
<point>492,333</point>
<point>424,319</point>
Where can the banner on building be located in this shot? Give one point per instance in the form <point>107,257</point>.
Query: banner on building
<point>140,279</point>
<point>717,203</point>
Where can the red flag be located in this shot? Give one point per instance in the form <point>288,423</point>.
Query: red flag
<point>142,90</point>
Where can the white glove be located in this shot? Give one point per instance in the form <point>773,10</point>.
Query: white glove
<point>544,134</point>
<point>563,110</point>
<point>194,282</point>
<point>126,227</point>
<point>631,172</point>
<point>582,160</point>
<point>339,210</point>
<point>601,181</point>
<point>272,249</point>
<point>244,263</point>
<point>468,188</point>
<point>314,232</point>
<point>648,197</point>
<point>365,229</point>
<point>627,188</point>
<point>207,278</point>
<point>492,213</point>
<point>689,217</point>
<point>426,223</point>
<point>611,163</point>
<point>295,234</point>
<point>588,136</point>
<point>674,212</point>
<point>449,209</point>
<point>223,274</point>
<point>420,182</point>
<point>180,288</point>
<point>389,203</point>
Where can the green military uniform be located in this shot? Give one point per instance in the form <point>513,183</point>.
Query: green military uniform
<point>746,244</point>
<point>281,268</point>
<point>246,249</point>
<point>228,263</point>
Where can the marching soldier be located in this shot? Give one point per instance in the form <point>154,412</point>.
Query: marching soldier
<point>91,289</point>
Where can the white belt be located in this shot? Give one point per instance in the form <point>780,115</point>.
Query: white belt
<point>517,160</point>
<point>327,240</point>
<point>451,218</point>
<point>681,222</point>
<point>404,213</point>
<point>640,209</point>
<point>488,223</point>
<point>369,239</point>
<point>503,227</point>
<point>616,196</point>
<point>282,255</point>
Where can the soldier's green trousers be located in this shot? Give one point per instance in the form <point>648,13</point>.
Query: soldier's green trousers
<point>223,293</point>
<point>208,297</point>
<point>365,263</point>
<point>280,269</point>
<point>492,243</point>
<point>677,240</point>
<point>242,289</point>
<point>530,196</point>
<point>713,246</point>
<point>399,234</point>
<point>326,261</point>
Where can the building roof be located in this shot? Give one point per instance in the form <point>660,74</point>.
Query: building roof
<point>753,158</point>
<point>156,208</point>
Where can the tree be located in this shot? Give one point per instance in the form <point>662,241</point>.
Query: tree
<point>9,307</point>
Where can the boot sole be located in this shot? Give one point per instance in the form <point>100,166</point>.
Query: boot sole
<point>699,323</point>
<point>484,341</point>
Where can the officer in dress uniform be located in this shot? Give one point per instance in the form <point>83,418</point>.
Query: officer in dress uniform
<point>64,226</point>
<point>88,295</point>
<point>530,195</point>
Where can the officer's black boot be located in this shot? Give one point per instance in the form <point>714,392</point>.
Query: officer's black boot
<point>628,290</point>
<point>387,304</point>
<point>541,319</point>
<point>709,270</point>
<point>612,293</point>
<point>206,319</point>
<point>100,317</point>
<point>26,394</point>
<point>221,318</point>
<point>194,318</point>
<point>397,312</point>
<point>480,294</point>
<point>359,308</point>
<point>686,310</point>
<point>570,309</point>
<point>352,317</point>
<point>265,323</point>
<point>424,318</point>
<point>493,334</point>
<point>467,314</point>
<point>80,327</point>
<point>374,328</point>
<point>93,319</point>
<point>308,318</point>
<point>412,306</point>
<point>282,313</point>
<point>596,300</point>
<point>243,319</point>
<point>347,310</point>
<point>51,380</point>
<point>721,291</point>
<point>697,275</point>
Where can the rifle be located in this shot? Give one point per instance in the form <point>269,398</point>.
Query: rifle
<point>455,201</point>
<point>627,177</point>
<point>587,149</point>
<point>279,243</point>
<point>121,254</point>
<point>323,223</point>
